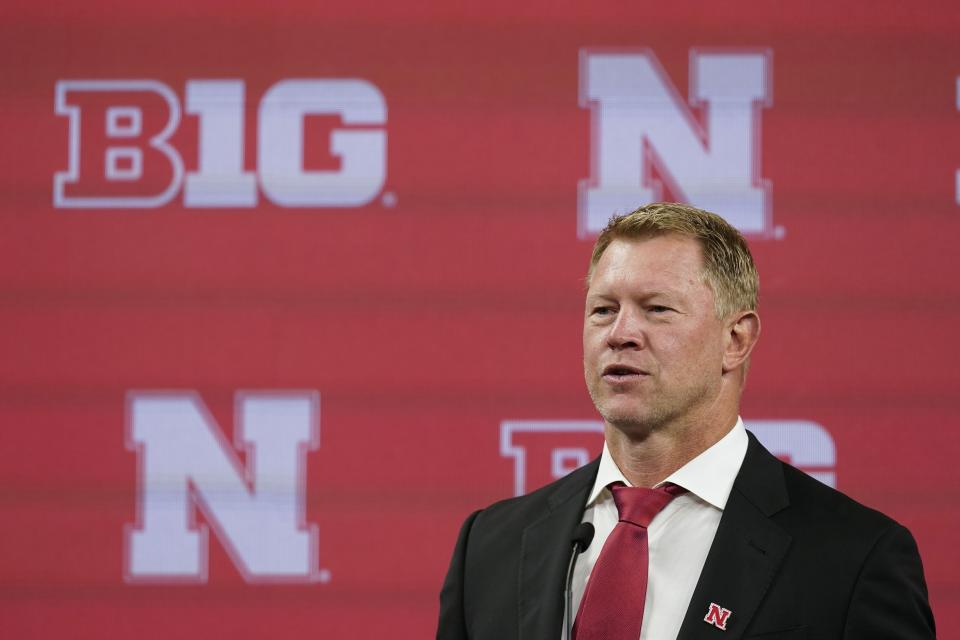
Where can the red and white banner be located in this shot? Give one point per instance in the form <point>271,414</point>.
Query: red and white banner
<point>288,289</point>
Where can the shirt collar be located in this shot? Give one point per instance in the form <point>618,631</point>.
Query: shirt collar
<point>709,476</point>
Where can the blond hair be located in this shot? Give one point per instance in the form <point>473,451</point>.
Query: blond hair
<point>728,265</point>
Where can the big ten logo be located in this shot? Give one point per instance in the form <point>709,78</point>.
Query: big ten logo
<point>545,450</point>
<point>802,443</point>
<point>319,143</point>
<point>647,144</point>
<point>256,510</point>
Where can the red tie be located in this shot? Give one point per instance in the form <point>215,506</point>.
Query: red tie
<point>612,604</point>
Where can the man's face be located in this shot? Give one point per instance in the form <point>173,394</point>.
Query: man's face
<point>652,343</point>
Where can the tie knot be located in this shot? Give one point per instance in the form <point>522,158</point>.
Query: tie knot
<point>638,505</point>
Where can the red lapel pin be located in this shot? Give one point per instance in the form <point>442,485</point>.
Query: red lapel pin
<point>717,616</point>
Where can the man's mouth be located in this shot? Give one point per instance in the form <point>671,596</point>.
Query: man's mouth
<point>621,373</point>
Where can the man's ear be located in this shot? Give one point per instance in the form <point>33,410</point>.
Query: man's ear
<point>742,333</point>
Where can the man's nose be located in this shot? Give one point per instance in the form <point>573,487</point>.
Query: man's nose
<point>626,331</point>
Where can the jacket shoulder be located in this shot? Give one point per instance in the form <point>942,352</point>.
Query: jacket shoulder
<point>526,507</point>
<point>798,501</point>
<point>823,504</point>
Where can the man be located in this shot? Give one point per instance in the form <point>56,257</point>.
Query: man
<point>700,532</point>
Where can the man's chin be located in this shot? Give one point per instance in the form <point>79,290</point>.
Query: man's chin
<point>632,424</point>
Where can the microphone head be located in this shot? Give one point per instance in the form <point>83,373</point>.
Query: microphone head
<point>582,536</point>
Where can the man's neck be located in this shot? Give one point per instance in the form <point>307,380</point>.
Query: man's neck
<point>652,457</point>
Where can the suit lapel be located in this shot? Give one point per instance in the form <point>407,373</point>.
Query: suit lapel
<point>544,552</point>
<point>746,551</point>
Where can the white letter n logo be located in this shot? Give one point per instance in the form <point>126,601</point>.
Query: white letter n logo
<point>185,463</point>
<point>639,122</point>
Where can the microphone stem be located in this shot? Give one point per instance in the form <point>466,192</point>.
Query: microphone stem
<point>568,617</point>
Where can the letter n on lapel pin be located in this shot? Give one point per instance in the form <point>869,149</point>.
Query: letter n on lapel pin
<point>717,616</point>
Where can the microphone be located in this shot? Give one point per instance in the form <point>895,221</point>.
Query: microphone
<point>580,540</point>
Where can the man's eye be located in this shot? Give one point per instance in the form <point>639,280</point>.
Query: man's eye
<point>659,308</point>
<point>601,311</point>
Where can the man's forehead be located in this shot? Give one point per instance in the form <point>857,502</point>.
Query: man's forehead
<point>667,261</point>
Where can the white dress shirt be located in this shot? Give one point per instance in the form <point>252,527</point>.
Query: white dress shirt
<point>678,538</point>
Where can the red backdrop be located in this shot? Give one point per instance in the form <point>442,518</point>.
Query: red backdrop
<point>449,301</point>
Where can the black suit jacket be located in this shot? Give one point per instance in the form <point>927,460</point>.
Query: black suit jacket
<point>792,558</point>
